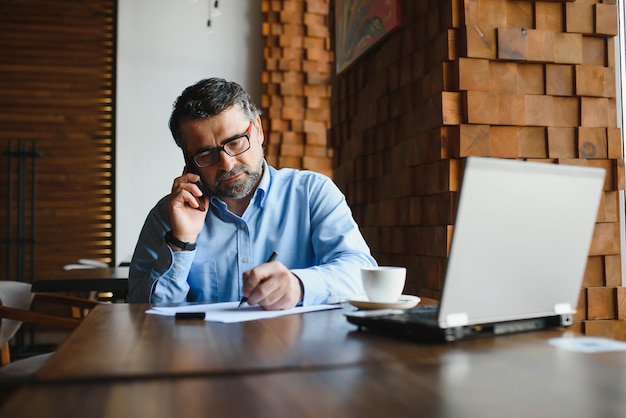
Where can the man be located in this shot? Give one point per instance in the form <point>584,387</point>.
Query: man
<point>209,240</point>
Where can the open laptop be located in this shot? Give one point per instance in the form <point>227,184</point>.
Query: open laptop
<point>519,250</point>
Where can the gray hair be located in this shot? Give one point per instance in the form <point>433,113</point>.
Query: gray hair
<point>208,98</point>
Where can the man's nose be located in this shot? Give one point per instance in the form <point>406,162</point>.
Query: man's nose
<point>226,161</point>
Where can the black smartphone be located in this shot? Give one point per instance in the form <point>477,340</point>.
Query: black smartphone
<point>191,167</point>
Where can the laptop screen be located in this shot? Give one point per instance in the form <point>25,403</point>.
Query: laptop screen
<point>520,242</point>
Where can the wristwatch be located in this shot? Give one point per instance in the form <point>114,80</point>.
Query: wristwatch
<point>185,246</point>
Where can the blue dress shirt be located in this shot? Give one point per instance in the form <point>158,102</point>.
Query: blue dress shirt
<point>300,214</point>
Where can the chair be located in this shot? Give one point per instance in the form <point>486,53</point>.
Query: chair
<point>16,302</point>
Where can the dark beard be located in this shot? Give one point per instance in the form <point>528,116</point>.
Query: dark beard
<point>240,188</point>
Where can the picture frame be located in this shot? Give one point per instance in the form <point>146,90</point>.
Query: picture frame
<point>359,25</point>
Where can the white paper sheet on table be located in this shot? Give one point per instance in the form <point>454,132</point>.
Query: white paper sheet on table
<point>227,311</point>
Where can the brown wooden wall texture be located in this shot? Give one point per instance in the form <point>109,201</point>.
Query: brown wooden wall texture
<point>296,83</point>
<point>57,90</point>
<point>529,80</point>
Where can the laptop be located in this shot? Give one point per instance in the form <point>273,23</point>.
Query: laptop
<point>518,255</point>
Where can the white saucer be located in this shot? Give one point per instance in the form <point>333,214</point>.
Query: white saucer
<point>405,302</point>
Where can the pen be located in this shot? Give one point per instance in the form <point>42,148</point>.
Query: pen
<point>269,260</point>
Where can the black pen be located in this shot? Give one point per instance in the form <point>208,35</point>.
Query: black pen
<point>269,260</point>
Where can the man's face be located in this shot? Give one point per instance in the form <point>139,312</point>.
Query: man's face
<point>230,177</point>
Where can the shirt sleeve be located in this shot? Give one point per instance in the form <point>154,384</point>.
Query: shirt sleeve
<point>158,274</point>
<point>340,249</point>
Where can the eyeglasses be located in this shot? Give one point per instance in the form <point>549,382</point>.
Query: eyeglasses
<point>234,146</point>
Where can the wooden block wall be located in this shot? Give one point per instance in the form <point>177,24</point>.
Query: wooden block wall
<point>532,80</point>
<point>296,83</point>
<point>387,134</point>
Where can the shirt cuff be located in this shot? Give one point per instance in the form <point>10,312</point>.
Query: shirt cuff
<point>170,274</point>
<point>314,289</point>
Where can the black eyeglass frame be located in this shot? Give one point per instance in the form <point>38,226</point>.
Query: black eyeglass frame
<point>215,151</point>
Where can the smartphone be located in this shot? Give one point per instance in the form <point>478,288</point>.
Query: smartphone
<point>191,168</point>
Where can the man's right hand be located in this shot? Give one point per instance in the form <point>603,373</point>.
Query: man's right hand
<point>186,214</point>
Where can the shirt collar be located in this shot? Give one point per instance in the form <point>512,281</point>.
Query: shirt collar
<point>260,196</point>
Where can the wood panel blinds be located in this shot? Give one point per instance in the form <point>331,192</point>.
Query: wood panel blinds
<point>56,134</point>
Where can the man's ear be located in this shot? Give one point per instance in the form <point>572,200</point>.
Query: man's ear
<point>259,128</point>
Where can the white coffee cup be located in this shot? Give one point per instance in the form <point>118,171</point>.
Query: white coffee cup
<point>383,284</point>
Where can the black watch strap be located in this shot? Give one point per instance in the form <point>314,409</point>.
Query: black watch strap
<point>185,246</point>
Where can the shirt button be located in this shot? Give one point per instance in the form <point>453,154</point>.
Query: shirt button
<point>242,226</point>
<point>244,260</point>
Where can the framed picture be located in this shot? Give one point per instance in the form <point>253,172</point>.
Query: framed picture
<point>359,24</point>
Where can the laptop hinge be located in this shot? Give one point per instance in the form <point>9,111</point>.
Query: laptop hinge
<point>563,308</point>
<point>457,319</point>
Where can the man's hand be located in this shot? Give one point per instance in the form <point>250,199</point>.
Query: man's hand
<point>272,286</point>
<point>186,214</point>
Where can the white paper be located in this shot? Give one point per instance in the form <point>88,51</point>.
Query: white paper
<point>588,344</point>
<point>227,311</point>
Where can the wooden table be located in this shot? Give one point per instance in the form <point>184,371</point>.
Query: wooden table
<point>562,385</point>
<point>120,341</point>
<point>123,362</point>
<point>112,279</point>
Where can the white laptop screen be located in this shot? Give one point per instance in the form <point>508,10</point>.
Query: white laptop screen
<point>521,240</point>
